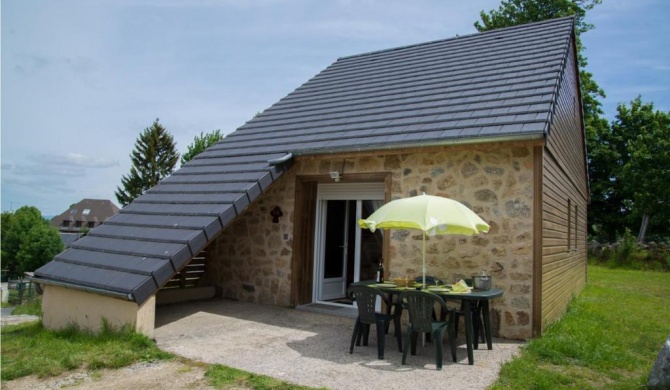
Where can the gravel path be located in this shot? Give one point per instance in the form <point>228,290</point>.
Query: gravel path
<point>313,349</point>
<point>171,375</point>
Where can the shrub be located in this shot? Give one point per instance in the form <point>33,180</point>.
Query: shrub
<point>626,249</point>
<point>628,254</point>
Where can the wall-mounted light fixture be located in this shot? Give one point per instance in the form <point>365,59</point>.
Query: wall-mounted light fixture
<point>335,175</point>
<point>276,213</point>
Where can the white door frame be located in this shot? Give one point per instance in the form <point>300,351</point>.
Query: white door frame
<point>339,191</point>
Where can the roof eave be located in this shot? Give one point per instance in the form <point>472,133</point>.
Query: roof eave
<point>113,294</point>
<point>535,136</point>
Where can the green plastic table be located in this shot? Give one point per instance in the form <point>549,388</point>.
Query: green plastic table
<point>476,301</point>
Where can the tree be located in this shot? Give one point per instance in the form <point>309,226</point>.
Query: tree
<point>199,144</point>
<point>154,157</point>
<point>641,145</point>
<point>516,12</point>
<point>5,223</point>
<point>39,246</point>
<point>28,242</point>
<point>607,213</point>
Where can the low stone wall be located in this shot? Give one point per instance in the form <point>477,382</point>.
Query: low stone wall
<point>251,260</point>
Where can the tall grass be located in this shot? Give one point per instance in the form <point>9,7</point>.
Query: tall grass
<point>608,339</point>
<point>29,349</point>
<point>33,307</point>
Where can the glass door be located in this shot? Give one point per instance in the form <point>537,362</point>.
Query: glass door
<point>344,253</point>
<point>336,249</point>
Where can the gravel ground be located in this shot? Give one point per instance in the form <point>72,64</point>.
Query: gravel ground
<point>15,320</point>
<point>312,349</point>
<point>164,375</point>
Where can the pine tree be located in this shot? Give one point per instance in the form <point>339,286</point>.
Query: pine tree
<point>154,157</point>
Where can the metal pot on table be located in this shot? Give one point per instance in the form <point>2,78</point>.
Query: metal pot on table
<point>482,281</point>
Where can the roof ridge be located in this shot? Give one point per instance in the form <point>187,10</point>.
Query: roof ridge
<point>462,37</point>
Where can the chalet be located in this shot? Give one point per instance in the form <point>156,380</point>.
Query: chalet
<point>84,215</point>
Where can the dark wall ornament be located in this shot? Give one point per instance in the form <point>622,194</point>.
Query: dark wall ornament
<point>276,213</point>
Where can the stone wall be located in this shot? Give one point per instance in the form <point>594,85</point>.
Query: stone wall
<point>252,259</point>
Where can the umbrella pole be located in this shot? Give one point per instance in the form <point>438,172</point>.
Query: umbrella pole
<point>424,259</point>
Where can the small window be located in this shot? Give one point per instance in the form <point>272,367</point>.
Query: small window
<point>77,224</point>
<point>65,224</point>
<point>91,225</point>
<point>86,211</point>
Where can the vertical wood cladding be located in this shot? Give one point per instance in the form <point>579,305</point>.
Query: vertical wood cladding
<point>565,197</point>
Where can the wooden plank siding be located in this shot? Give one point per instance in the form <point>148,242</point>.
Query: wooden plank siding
<point>564,187</point>
<point>191,275</point>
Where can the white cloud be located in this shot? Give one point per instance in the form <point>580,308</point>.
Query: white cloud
<point>74,160</point>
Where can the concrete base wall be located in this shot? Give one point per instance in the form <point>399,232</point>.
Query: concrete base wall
<point>63,306</point>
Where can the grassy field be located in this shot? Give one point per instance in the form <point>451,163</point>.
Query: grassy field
<point>608,339</point>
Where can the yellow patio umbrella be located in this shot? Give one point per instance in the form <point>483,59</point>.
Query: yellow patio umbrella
<point>430,214</point>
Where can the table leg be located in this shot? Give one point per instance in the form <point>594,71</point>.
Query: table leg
<point>389,307</point>
<point>467,313</point>
<point>487,324</point>
<point>477,324</point>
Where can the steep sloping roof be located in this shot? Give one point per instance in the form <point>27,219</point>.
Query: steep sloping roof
<point>498,85</point>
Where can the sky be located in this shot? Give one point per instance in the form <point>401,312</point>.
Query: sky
<point>81,79</point>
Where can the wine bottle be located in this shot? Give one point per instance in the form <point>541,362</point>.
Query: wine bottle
<point>380,271</point>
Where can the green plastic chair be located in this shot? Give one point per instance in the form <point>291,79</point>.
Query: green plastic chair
<point>421,307</point>
<point>366,298</point>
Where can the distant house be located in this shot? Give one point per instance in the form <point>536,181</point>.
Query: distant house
<point>84,215</point>
<point>69,238</point>
<point>493,120</point>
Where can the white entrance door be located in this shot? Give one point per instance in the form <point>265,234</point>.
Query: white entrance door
<point>343,252</point>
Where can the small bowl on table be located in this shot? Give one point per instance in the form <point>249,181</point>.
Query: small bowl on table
<point>403,282</point>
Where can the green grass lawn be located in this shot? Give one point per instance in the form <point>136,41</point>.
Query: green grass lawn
<point>28,295</point>
<point>29,349</point>
<point>608,339</point>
